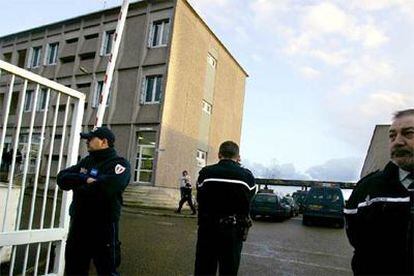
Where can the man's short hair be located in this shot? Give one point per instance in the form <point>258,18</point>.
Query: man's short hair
<point>229,149</point>
<point>402,113</point>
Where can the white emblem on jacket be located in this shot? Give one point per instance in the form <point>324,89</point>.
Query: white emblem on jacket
<point>119,169</point>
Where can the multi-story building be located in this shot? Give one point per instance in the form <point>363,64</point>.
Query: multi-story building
<point>177,92</point>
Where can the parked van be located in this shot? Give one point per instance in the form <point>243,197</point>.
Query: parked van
<point>324,204</point>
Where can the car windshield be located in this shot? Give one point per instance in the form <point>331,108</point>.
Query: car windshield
<point>333,196</point>
<point>321,195</point>
<point>315,196</point>
<point>265,199</point>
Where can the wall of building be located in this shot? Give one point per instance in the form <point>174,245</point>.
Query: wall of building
<point>378,154</point>
<point>182,115</point>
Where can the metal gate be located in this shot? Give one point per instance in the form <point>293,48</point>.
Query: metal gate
<point>41,122</point>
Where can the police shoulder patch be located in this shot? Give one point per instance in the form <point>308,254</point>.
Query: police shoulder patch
<point>119,169</point>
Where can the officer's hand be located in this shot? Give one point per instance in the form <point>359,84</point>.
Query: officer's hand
<point>83,170</point>
<point>90,180</point>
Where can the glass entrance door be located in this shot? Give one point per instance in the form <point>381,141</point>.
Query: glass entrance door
<point>144,163</point>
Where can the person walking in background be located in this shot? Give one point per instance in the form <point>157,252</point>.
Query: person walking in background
<point>97,182</point>
<point>186,190</point>
<point>184,179</point>
<point>379,226</point>
<point>224,192</point>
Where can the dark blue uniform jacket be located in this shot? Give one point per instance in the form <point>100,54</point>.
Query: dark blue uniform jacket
<point>99,202</point>
<point>378,225</point>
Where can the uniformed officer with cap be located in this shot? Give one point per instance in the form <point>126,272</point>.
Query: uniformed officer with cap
<point>224,191</point>
<point>97,182</point>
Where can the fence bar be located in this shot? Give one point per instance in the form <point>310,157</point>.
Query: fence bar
<point>34,236</point>
<point>37,173</point>
<point>49,164</point>
<point>15,147</point>
<point>6,116</point>
<point>34,184</point>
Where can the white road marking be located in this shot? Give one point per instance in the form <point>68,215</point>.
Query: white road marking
<point>266,248</point>
<point>164,223</point>
<point>298,262</point>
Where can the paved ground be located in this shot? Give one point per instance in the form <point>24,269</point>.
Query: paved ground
<point>164,245</point>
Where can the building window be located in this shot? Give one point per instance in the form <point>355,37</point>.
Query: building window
<point>41,102</point>
<point>52,53</point>
<point>21,58</point>
<point>107,43</point>
<point>7,57</point>
<point>152,89</point>
<point>207,107</point>
<point>34,60</point>
<point>72,40</point>
<point>159,33</point>
<point>145,157</point>
<point>28,101</point>
<point>91,36</point>
<point>201,158</point>
<point>211,60</point>
<point>97,95</point>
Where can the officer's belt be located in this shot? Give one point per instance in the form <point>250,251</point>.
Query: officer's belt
<point>221,220</point>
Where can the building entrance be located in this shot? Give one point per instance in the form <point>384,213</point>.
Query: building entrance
<point>145,158</point>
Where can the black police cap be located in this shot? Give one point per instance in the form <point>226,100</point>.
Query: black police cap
<point>101,133</point>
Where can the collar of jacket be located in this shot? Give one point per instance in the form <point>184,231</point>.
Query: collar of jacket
<point>103,154</point>
<point>228,161</point>
<point>391,171</point>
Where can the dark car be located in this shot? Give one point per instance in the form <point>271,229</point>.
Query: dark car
<point>269,205</point>
<point>324,204</point>
<point>293,205</point>
<point>299,197</point>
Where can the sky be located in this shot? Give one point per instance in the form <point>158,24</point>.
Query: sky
<point>322,74</point>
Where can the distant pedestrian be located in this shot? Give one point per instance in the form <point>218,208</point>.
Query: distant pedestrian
<point>224,192</point>
<point>185,177</point>
<point>186,193</point>
<point>379,224</point>
<point>97,182</point>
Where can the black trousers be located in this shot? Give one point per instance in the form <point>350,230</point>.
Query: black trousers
<point>184,199</point>
<point>99,244</point>
<point>218,246</point>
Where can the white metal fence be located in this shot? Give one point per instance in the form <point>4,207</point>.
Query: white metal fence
<point>41,122</point>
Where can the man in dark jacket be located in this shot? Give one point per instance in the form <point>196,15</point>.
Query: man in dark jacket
<point>224,191</point>
<point>379,224</point>
<point>97,182</point>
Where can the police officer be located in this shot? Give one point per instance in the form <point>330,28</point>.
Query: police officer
<point>378,211</point>
<point>224,191</point>
<point>97,182</point>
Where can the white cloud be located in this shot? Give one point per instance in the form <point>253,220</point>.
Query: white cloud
<point>309,72</point>
<point>372,37</point>
<point>344,169</point>
<point>385,102</point>
<point>326,18</point>
<point>367,69</point>
<point>374,5</point>
<point>275,170</point>
<point>329,57</point>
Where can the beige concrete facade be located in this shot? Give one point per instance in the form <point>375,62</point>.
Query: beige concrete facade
<point>183,118</point>
<point>177,122</point>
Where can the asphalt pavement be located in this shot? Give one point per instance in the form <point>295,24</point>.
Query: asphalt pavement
<point>160,242</point>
